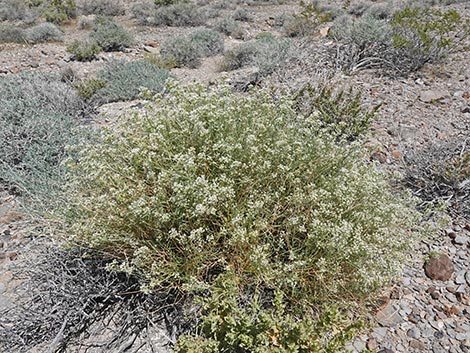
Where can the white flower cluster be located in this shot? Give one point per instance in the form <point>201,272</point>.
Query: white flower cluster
<point>207,180</point>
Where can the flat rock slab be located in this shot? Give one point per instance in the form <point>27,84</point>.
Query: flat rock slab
<point>388,316</point>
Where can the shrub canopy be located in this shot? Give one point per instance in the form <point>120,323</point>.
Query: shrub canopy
<point>209,180</point>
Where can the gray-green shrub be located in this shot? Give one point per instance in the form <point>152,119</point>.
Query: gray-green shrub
<point>229,27</point>
<point>125,80</point>
<point>37,114</point>
<point>207,41</point>
<point>12,34</point>
<point>110,36</point>
<point>14,10</point>
<point>266,53</point>
<point>144,12</point>
<point>43,32</point>
<point>413,37</point>
<point>179,52</point>
<point>58,11</point>
<point>188,50</point>
<point>84,50</point>
<point>102,7</point>
<point>243,15</point>
<point>181,14</point>
<point>239,198</point>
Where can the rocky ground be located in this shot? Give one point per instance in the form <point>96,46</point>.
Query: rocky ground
<point>427,309</point>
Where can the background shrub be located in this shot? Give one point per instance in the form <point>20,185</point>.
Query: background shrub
<point>37,115</point>
<point>229,27</point>
<point>181,14</point>
<point>87,88</point>
<point>207,41</point>
<point>265,53</point>
<point>58,11</point>
<point>43,32</point>
<point>84,50</point>
<point>413,37</point>
<point>210,189</point>
<point>188,50</point>
<point>14,10</point>
<point>125,80</point>
<point>102,7</point>
<point>144,12</point>
<point>340,112</point>
<point>110,36</point>
<point>179,52</point>
<point>12,34</point>
<point>243,15</point>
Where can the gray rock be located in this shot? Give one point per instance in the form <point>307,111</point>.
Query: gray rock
<point>414,333</point>
<point>5,303</point>
<point>467,277</point>
<point>461,240</point>
<point>451,297</point>
<point>388,316</point>
<point>432,95</point>
<point>460,278</point>
<point>379,332</point>
<point>462,336</point>
<point>359,345</point>
<point>438,325</point>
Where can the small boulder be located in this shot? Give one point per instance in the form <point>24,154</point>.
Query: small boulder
<point>439,268</point>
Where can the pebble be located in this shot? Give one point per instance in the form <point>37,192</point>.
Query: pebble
<point>460,278</point>
<point>461,240</point>
<point>414,333</point>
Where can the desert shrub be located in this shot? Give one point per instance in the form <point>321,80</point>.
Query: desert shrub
<point>12,34</point>
<point>143,12</point>
<point>266,53</point>
<point>181,14</point>
<point>380,10</point>
<point>262,325</point>
<point>37,115</point>
<point>43,32</point>
<point>341,112</point>
<point>58,11</point>
<point>440,173</point>
<point>179,52</point>
<point>229,27</point>
<point>87,88</point>
<point>165,2</point>
<point>210,189</point>
<point>109,35</point>
<point>102,7</point>
<point>125,80</point>
<point>361,32</point>
<point>242,14</point>
<point>207,41</point>
<point>188,50</point>
<point>413,37</point>
<point>424,35</point>
<point>14,10</point>
<point>86,23</point>
<point>359,8</point>
<point>84,50</point>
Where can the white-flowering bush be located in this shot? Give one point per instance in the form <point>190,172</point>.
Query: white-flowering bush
<point>209,181</point>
